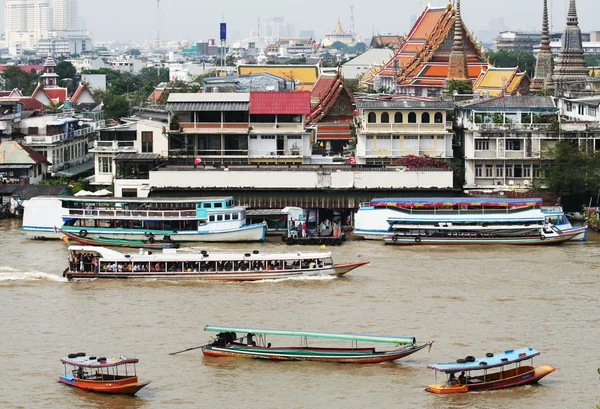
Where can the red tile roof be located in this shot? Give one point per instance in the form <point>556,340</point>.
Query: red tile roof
<point>37,157</point>
<point>26,68</point>
<point>56,94</point>
<point>280,102</point>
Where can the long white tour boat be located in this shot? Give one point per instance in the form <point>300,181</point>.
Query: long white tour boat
<point>90,262</point>
<point>213,219</point>
<point>463,216</point>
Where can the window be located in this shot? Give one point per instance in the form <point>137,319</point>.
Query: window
<point>105,165</point>
<point>489,171</point>
<point>518,171</point>
<point>482,145</point>
<point>227,217</point>
<point>219,217</point>
<point>147,141</point>
<point>32,130</point>
<point>372,118</point>
<point>385,118</point>
<point>514,145</point>
<point>398,118</point>
<point>526,171</point>
<point>499,171</point>
<point>425,118</point>
<point>427,142</point>
<point>509,171</point>
<point>412,118</point>
<point>253,137</point>
<point>211,218</point>
<point>478,171</point>
<point>235,216</point>
<point>438,118</point>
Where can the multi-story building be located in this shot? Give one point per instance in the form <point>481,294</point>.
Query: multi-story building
<point>507,140</point>
<point>64,139</point>
<point>25,23</point>
<point>65,15</point>
<point>239,128</point>
<point>390,128</point>
<point>65,43</point>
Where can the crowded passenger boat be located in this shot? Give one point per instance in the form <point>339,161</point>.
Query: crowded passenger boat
<point>89,262</point>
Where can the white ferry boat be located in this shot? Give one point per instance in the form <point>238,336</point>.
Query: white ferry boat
<point>90,262</point>
<point>463,215</point>
<point>213,219</point>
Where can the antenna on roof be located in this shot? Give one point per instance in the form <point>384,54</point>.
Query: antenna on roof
<point>158,24</point>
<point>352,28</point>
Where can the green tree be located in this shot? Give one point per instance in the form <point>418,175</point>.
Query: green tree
<point>134,52</point>
<point>592,60</point>
<point>360,48</point>
<point>65,69</point>
<point>117,107</point>
<point>461,87</point>
<point>338,45</point>
<point>15,77</point>
<point>573,174</point>
<point>509,58</point>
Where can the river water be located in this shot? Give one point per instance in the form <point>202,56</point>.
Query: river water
<point>470,300</point>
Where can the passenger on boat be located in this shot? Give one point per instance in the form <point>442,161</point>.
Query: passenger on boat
<point>462,379</point>
<point>250,339</point>
<point>452,379</point>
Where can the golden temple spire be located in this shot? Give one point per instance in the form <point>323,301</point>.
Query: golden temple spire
<point>458,69</point>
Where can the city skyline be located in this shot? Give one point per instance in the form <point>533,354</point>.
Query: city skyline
<point>111,20</point>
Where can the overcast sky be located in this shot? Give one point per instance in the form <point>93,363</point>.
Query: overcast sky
<point>199,19</point>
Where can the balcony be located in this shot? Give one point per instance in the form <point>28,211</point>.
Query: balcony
<point>113,147</point>
<point>128,214</point>
<point>261,127</point>
<point>408,128</point>
<point>399,153</point>
<point>489,127</point>
<point>210,127</point>
<point>61,137</point>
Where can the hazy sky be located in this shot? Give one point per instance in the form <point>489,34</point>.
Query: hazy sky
<point>199,19</point>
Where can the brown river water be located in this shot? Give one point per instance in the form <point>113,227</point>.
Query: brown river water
<point>470,300</point>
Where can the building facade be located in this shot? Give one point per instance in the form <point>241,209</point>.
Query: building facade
<point>65,15</point>
<point>394,127</point>
<point>26,22</point>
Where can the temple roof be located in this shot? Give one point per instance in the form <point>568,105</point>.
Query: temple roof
<point>429,43</point>
<point>305,76</point>
<point>497,81</point>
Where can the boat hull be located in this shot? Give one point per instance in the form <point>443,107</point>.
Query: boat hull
<point>248,233</point>
<point>335,270</point>
<point>524,375</point>
<point>527,240</point>
<point>127,386</point>
<point>339,355</point>
<point>109,242</point>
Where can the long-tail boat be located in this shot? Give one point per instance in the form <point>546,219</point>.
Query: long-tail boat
<point>98,374</point>
<point>475,375</point>
<point>253,344</point>
<point>149,243</point>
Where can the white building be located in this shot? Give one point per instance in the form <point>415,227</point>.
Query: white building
<point>585,109</point>
<point>26,22</point>
<point>65,15</point>
<point>374,57</point>
<point>88,63</point>
<point>392,128</point>
<point>64,43</point>
<point>127,63</point>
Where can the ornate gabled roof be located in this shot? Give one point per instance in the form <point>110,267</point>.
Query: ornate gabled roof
<point>429,44</point>
<point>571,66</point>
<point>83,89</point>
<point>502,81</point>
<point>324,95</point>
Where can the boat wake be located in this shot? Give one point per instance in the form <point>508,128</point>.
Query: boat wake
<point>10,275</point>
<point>300,278</point>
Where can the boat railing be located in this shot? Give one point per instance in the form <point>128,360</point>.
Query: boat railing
<point>147,214</point>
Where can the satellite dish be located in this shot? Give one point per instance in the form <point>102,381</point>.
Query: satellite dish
<point>526,182</point>
<point>80,123</point>
<point>511,182</point>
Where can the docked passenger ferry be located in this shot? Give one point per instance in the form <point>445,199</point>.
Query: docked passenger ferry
<point>213,219</point>
<point>460,216</point>
<point>90,262</point>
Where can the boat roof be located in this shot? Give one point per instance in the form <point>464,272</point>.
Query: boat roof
<point>179,255</point>
<point>455,201</point>
<point>509,356</point>
<point>312,334</point>
<point>104,199</point>
<point>91,361</point>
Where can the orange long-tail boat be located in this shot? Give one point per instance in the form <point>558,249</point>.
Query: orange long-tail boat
<point>97,374</point>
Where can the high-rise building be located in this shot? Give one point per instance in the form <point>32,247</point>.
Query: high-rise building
<point>26,22</point>
<point>65,15</point>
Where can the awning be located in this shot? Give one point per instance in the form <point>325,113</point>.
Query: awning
<point>207,106</point>
<point>77,170</point>
<point>8,166</point>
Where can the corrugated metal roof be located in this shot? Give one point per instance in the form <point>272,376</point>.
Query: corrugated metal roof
<point>2,166</point>
<point>206,106</point>
<point>280,103</point>
<point>137,156</point>
<point>510,102</point>
<point>209,97</point>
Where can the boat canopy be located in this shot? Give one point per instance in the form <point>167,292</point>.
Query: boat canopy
<point>510,356</point>
<point>329,335</point>
<point>455,201</point>
<point>98,361</point>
